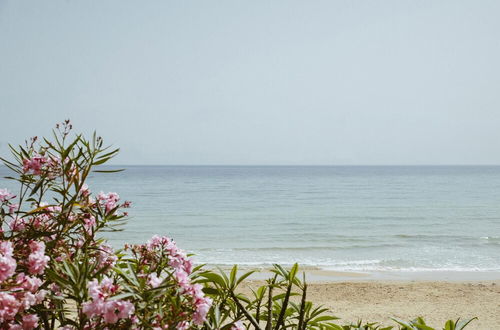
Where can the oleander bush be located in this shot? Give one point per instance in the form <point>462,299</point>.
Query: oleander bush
<point>58,272</point>
<point>55,269</point>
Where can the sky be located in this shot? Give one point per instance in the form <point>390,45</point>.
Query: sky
<point>337,82</point>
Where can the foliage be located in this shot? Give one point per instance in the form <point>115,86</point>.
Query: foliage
<point>269,308</point>
<point>273,307</point>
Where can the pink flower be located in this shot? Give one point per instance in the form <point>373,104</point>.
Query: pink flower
<point>94,289</point>
<point>5,195</point>
<point>28,300</point>
<point>6,248</point>
<point>153,280</point>
<point>108,286</point>
<point>56,290</point>
<point>28,283</point>
<point>17,224</point>
<point>117,309</point>
<point>30,321</point>
<point>89,224</point>
<point>109,200</point>
<point>7,263</point>
<point>34,165</point>
<point>110,310</point>
<point>196,291</point>
<point>177,258</point>
<point>182,279</point>
<point>202,308</point>
<point>37,260</point>
<point>106,256</point>
<point>93,308</point>
<point>84,190</point>
<point>158,241</point>
<point>13,207</point>
<point>40,296</point>
<point>9,306</point>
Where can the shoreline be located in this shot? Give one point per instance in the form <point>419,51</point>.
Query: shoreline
<point>318,275</point>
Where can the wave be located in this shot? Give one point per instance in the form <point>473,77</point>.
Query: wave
<point>300,248</point>
<point>491,238</point>
<point>361,266</point>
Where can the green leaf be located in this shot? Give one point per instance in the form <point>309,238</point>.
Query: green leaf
<point>324,318</point>
<point>108,171</point>
<point>293,271</point>
<point>215,278</point>
<point>122,296</point>
<point>212,291</point>
<point>244,276</point>
<point>232,276</point>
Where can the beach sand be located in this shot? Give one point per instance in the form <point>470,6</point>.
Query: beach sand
<point>375,300</point>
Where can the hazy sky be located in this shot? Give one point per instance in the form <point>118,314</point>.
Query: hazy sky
<point>258,82</point>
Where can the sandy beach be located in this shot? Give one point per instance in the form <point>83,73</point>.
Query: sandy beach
<point>353,296</point>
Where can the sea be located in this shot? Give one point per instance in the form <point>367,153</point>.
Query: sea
<point>340,218</point>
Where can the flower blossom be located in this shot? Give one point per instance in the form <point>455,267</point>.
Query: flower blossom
<point>9,306</point>
<point>17,224</point>
<point>89,224</point>
<point>106,256</point>
<point>84,190</point>
<point>110,310</point>
<point>34,165</point>
<point>28,283</point>
<point>154,280</point>
<point>5,195</point>
<point>37,260</point>
<point>7,262</point>
<point>177,258</point>
<point>39,164</point>
<point>30,321</point>
<point>13,207</point>
<point>202,304</point>
<point>109,200</point>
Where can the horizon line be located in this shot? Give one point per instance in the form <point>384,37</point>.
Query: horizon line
<point>309,165</point>
<point>302,165</point>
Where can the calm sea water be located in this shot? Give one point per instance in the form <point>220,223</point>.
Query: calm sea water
<point>346,218</point>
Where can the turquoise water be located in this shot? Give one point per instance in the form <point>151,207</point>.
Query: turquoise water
<point>347,218</point>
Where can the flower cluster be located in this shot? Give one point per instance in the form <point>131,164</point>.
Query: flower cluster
<point>106,256</point>
<point>37,260</point>
<point>162,253</point>
<point>5,195</point>
<point>21,293</point>
<point>39,165</point>
<point>109,200</point>
<point>5,199</point>
<point>7,262</point>
<point>101,306</point>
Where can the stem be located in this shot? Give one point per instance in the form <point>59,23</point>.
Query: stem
<point>245,312</point>
<point>269,322</point>
<point>302,308</point>
<point>281,318</point>
<point>257,314</point>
